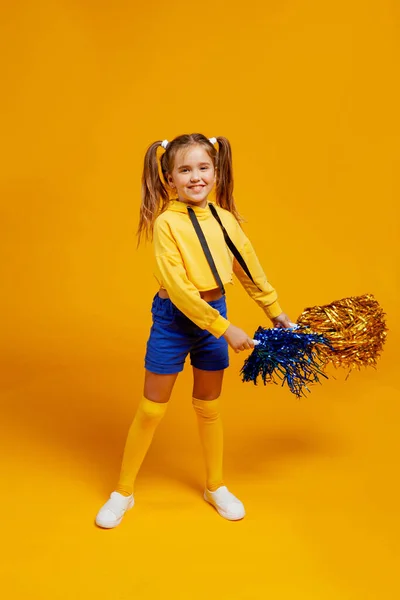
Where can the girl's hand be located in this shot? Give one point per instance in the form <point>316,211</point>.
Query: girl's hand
<point>238,339</point>
<point>282,321</point>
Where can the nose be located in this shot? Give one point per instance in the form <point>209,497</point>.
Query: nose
<point>195,176</point>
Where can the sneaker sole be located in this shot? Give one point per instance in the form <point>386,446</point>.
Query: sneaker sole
<point>223,514</point>
<point>109,525</point>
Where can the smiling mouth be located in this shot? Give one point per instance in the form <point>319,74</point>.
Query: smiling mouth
<point>196,187</point>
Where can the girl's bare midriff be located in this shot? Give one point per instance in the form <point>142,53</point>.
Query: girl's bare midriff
<point>208,296</point>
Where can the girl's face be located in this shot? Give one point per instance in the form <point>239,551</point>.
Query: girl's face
<point>193,175</point>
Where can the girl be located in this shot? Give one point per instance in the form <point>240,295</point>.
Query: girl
<point>197,247</point>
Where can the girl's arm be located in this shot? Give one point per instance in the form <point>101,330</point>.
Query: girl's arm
<point>261,291</point>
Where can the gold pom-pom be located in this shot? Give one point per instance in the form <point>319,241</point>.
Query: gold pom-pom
<point>355,327</point>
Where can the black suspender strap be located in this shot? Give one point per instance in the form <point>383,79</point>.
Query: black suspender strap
<point>232,246</point>
<point>228,242</point>
<point>206,248</point>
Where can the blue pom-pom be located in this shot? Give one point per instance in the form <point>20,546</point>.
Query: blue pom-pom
<point>286,354</point>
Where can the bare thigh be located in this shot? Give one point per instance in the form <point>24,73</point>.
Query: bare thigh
<point>158,388</point>
<point>207,385</point>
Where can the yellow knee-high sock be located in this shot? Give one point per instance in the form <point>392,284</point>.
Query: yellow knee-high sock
<point>212,440</point>
<point>141,432</point>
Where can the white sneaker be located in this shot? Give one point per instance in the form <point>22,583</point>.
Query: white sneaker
<point>227,505</point>
<point>110,515</point>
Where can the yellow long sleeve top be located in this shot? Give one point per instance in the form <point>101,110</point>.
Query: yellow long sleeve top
<point>182,268</point>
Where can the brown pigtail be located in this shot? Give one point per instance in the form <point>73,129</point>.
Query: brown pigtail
<point>155,195</point>
<point>224,189</point>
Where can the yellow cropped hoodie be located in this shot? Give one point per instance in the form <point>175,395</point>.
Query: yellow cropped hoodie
<point>182,268</point>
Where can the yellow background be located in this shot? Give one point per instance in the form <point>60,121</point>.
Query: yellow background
<point>308,94</point>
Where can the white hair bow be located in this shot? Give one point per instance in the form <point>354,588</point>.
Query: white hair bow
<point>165,143</point>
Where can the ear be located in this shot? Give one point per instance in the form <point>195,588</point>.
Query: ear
<point>170,181</point>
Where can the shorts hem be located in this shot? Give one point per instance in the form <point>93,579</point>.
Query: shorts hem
<point>157,370</point>
<point>210,367</point>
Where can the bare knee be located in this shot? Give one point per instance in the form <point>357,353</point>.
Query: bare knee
<point>207,385</point>
<point>206,396</point>
<point>158,388</point>
<point>159,399</point>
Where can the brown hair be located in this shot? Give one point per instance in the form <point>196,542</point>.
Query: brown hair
<point>155,196</point>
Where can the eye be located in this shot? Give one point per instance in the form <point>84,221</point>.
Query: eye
<point>204,168</point>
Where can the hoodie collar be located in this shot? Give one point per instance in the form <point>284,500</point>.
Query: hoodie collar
<point>182,207</point>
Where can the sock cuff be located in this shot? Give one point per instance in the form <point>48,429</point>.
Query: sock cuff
<point>151,408</point>
<point>206,407</point>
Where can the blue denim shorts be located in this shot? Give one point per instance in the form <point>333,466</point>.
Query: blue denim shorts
<point>173,336</point>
